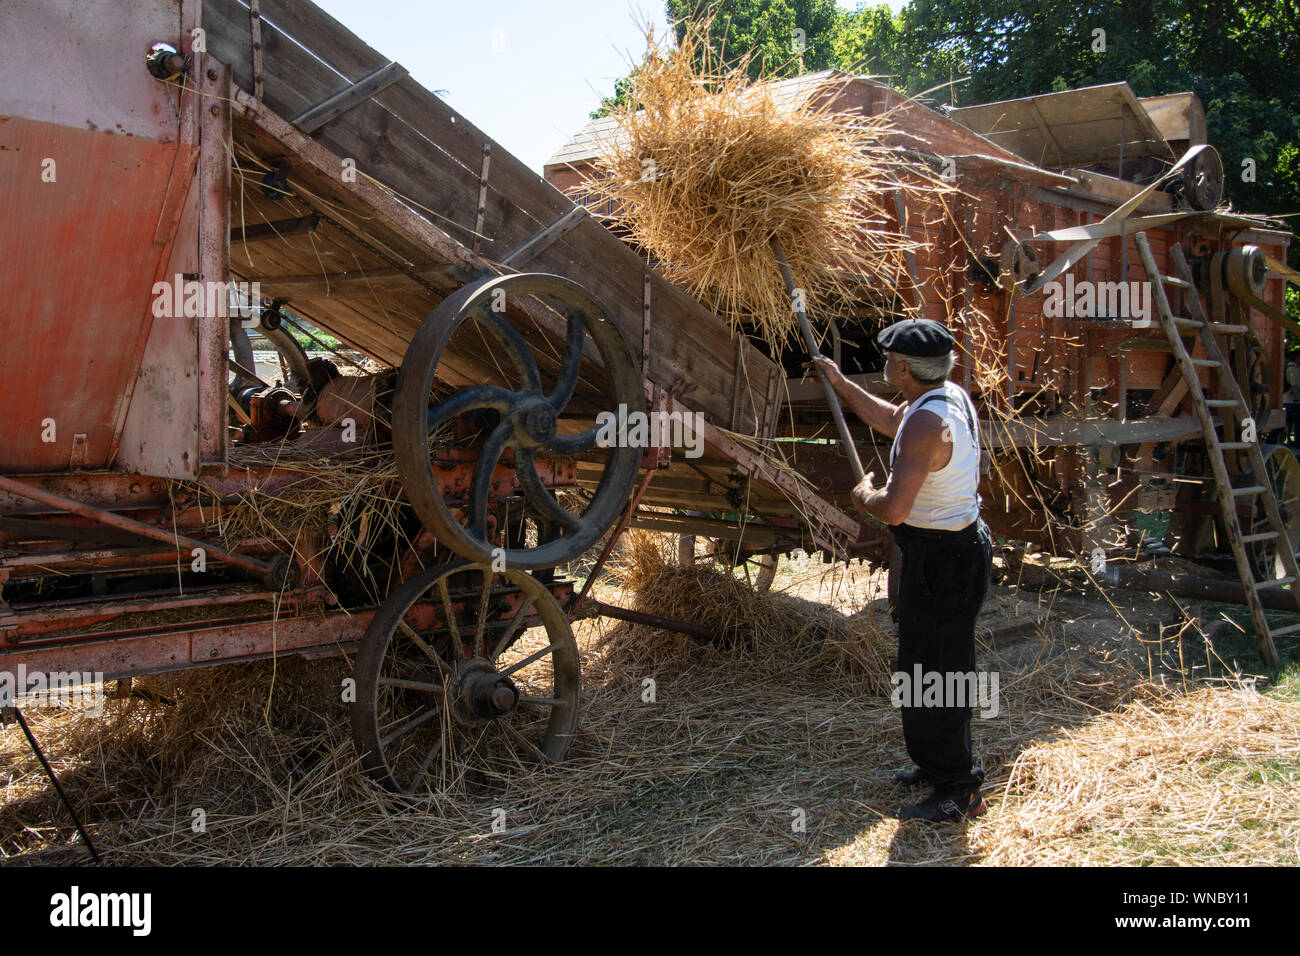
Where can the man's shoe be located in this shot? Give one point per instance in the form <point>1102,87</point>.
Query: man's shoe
<point>910,778</point>
<point>946,804</point>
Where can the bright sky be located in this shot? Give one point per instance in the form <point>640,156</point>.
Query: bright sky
<point>526,72</point>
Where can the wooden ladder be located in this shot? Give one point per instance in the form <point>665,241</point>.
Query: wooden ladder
<point>1230,399</point>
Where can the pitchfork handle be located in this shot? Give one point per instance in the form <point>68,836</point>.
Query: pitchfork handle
<point>810,341</point>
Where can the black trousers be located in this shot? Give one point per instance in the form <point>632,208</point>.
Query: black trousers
<point>942,583</point>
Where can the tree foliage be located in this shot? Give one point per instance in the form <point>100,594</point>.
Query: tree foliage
<point>1241,59</point>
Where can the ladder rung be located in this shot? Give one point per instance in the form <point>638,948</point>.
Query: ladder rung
<point>1226,329</point>
<point>1275,583</point>
<point>1174,280</point>
<point>1252,490</point>
<point>1289,629</point>
<point>1222,403</point>
<point>1262,536</point>
<point>1182,320</point>
<point>1207,363</point>
<point>1236,445</point>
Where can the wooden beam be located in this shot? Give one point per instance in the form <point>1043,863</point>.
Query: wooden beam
<point>344,285</point>
<point>313,119</point>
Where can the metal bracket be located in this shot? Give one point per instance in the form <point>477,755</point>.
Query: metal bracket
<point>255,30</point>
<point>645,326</point>
<point>313,118</point>
<point>482,197</point>
<point>77,460</point>
<point>262,231</point>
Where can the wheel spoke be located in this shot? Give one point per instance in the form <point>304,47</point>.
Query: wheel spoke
<point>423,645</point>
<point>521,355</point>
<point>458,650</point>
<point>480,641</point>
<point>471,399</point>
<point>568,378</point>
<point>523,740</point>
<point>481,483</point>
<point>429,757</point>
<point>576,444</point>
<point>538,495</point>
<point>536,655</point>
<point>422,718</point>
<point>412,684</point>
<point>515,623</point>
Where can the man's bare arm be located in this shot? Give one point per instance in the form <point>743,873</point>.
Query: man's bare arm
<point>922,448</point>
<point>881,415</point>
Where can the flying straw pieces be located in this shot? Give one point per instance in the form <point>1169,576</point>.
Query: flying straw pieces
<point>706,167</point>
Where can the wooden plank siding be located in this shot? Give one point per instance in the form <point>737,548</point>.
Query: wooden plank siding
<point>409,140</point>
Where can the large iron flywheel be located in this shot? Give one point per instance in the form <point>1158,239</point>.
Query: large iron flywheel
<point>522,405</point>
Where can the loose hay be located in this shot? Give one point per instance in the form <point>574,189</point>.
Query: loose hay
<point>767,625</point>
<point>711,772</point>
<point>347,508</point>
<point>1206,778</point>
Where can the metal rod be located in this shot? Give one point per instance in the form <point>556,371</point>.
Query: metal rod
<point>49,772</point>
<point>654,620</point>
<point>811,342</point>
<point>613,539</point>
<point>103,517</point>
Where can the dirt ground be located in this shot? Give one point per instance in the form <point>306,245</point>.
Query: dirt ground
<point>1123,736</point>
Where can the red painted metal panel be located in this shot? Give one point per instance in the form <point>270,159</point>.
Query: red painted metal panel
<point>79,261</point>
<point>153,653</point>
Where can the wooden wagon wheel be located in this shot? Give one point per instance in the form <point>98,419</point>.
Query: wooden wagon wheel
<point>522,419</point>
<point>447,664</point>
<point>1284,475</point>
<point>760,569</point>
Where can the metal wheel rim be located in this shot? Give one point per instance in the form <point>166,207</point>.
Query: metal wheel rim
<point>387,642</point>
<point>411,417</point>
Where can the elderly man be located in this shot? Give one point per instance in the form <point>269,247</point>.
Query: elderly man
<point>932,505</point>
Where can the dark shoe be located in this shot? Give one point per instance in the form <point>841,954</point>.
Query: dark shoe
<point>946,804</point>
<point>910,778</point>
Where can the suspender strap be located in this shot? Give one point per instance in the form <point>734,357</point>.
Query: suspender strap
<point>965,413</point>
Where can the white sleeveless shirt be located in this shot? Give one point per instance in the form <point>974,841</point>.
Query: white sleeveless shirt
<point>949,498</point>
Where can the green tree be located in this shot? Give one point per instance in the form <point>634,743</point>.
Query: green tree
<point>877,41</point>
<point>1242,60</point>
<point>784,37</point>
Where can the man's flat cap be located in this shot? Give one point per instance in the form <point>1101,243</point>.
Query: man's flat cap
<point>923,338</point>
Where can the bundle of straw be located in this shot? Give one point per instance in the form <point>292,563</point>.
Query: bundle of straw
<point>706,167</point>
<point>769,625</point>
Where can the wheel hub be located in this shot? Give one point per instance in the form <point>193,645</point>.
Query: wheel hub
<point>482,694</point>
<point>539,422</point>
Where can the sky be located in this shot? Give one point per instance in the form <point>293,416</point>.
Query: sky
<point>526,72</point>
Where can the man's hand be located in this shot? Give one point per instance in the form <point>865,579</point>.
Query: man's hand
<point>864,489</point>
<point>828,369</point>
<point>881,415</point>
